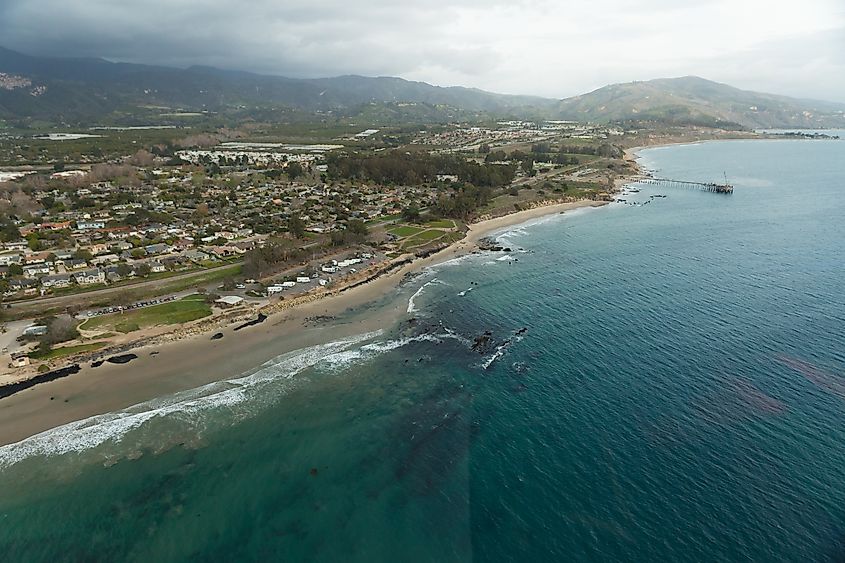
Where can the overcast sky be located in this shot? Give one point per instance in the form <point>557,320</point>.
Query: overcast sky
<point>544,47</point>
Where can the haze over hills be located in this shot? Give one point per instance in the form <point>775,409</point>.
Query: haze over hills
<point>94,90</point>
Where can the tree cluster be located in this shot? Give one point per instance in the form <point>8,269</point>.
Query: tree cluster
<point>397,167</point>
<point>259,262</point>
<point>462,202</point>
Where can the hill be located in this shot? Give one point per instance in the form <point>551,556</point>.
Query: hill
<point>693,100</point>
<point>88,89</point>
<point>98,91</point>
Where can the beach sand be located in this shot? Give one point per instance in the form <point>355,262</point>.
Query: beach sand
<point>164,369</point>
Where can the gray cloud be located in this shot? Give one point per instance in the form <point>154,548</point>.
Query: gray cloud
<point>541,47</point>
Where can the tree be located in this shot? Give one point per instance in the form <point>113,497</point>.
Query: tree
<point>296,226</point>
<point>528,166</point>
<point>59,329</point>
<point>294,170</point>
<point>83,254</point>
<point>201,212</point>
<point>34,242</point>
<point>8,231</point>
<point>357,228</point>
<point>143,270</point>
<point>123,270</point>
<point>411,214</point>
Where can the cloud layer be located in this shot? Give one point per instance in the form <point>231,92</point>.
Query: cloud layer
<point>542,47</point>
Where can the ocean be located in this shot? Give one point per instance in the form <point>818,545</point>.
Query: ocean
<point>660,379</point>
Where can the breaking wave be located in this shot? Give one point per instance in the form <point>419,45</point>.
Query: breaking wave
<point>184,417</point>
<point>412,307</point>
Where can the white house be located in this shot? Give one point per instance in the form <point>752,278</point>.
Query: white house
<point>60,280</point>
<point>36,270</point>
<point>90,225</point>
<point>9,258</point>
<point>229,301</point>
<point>90,277</point>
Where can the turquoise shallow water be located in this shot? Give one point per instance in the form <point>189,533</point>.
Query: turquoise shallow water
<point>662,382</point>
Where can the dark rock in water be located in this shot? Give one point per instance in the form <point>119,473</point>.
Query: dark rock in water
<point>154,353</point>
<point>217,336</point>
<point>313,472</point>
<point>507,249</point>
<point>97,364</point>
<point>490,245</point>
<point>12,388</point>
<point>521,331</point>
<point>261,318</point>
<point>481,342</point>
<point>122,359</point>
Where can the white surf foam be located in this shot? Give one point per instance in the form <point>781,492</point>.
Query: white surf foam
<point>187,406</point>
<point>412,301</point>
<point>341,360</point>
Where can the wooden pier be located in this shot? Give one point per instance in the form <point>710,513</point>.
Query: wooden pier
<point>706,186</point>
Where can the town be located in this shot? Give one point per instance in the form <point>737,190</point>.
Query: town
<point>93,225</point>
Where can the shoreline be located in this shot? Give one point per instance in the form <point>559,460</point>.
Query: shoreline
<point>181,364</point>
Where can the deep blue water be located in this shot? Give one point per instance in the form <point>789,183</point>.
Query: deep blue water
<point>662,382</point>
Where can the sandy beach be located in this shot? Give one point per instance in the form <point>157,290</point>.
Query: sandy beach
<point>163,369</point>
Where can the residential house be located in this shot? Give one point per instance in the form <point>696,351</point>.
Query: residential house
<point>90,225</point>
<point>36,270</point>
<point>90,277</point>
<point>45,257</point>
<point>17,245</point>
<point>99,248</point>
<point>57,281</point>
<point>160,248</point>
<point>9,258</point>
<point>27,286</point>
<point>20,359</point>
<point>228,301</point>
<point>105,259</point>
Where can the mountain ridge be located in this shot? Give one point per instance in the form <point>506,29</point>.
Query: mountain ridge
<point>91,89</point>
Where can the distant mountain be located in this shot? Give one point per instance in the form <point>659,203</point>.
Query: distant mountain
<point>693,100</point>
<point>96,90</point>
<point>80,89</point>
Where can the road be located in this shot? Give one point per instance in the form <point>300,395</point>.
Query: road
<point>35,306</point>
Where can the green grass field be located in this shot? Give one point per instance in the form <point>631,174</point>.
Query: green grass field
<point>441,224</point>
<point>405,231</point>
<point>185,310</point>
<point>423,238</point>
<point>57,353</point>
